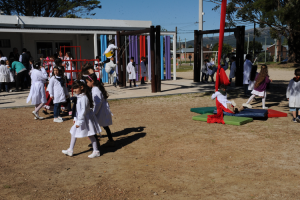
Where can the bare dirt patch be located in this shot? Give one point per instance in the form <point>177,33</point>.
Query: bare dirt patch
<point>160,153</point>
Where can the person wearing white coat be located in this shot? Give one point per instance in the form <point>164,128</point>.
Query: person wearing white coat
<point>58,92</point>
<point>143,70</point>
<point>293,95</point>
<point>4,76</point>
<point>110,68</point>
<point>37,93</point>
<point>131,71</point>
<point>85,121</point>
<point>246,74</point>
<point>232,69</point>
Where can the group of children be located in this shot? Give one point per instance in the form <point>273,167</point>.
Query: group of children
<point>7,75</point>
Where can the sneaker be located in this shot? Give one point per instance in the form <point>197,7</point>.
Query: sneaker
<point>58,120</point>
<point>67,152</point>
<point>298,119</point>
<point>233,103</point>
<point>94,154</point>
<point>294,120</point>
<point>61,118</point>
<point>264,107</point>
<point>45,112</point>
<point>40,118</point>
<point>35,114</point>
<point>246,105</point>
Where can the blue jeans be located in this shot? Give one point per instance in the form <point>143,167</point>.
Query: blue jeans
<point>115,80</point>
<point>5,85</point>
<point>56,110</point>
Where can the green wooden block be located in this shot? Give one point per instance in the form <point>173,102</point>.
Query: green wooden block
<point>231,120</point>
<point>203,110</point>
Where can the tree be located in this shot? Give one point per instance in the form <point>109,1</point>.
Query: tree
<point>49,8</point>
<point>227,49</point>
<point>190,46</point>
<point>258,47</point>
<point>281,16</point>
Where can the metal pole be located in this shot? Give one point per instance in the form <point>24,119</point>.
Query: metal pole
<point>265,49</point>
<point>248,44</point>
<point>185,49</point>
<point>174,55</point>
<point>180,51</point>
<point>157,58</point>
<point>275,54</point>
<point>152,40</point>
<point>95,46</point>
<point>254,43</point>
<point>201,29</point>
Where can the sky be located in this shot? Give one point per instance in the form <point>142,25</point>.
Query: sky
<point>166,13</point>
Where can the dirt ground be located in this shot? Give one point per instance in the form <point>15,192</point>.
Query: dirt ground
<point>160,153</point>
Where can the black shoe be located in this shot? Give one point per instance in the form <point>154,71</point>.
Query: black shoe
<point>45,112</point>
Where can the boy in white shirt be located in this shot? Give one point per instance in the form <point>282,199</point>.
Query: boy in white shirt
<point>293,95</point>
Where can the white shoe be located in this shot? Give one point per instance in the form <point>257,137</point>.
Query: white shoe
<point>233,103</point>
<point>67,152</point>
<point>247,105</point>
<point>35,114</point>
<point>94,154</point>
<point>264,107</point>
<point>40,118</point>
<point>58,120</point>
<point>61,118</point>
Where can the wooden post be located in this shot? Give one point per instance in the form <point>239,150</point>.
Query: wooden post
<point>200,62</point>
<point>119,57</point>
<point>239,58</point>
<point>158,64</point>
<point>152,40</point>
<point>196,67</point>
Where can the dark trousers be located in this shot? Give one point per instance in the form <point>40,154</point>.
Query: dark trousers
<point>204,77</point>
<point>74,100</point>
<point>108,132</point>
<point>56,110</point>
<point>5,86</point>
<point>246,91</point>
<point>27,79</point>
<point>143,80</point>
<point>133,82</point>
<point>20,80</point>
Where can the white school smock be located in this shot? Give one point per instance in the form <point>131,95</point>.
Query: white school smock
<point>68,67</point>
<point>143,69</point>
<point>85,119</point>
<point>232,70</point>
<point>57,91</point>
<point>98,74</point>
<point>101,108</point>
<point>11,75</point>
<point>110,47</point>
<point>247,71</point>
<point>4,74</point>
<point>221,98</point>
<point>293,93</point>
<point>37,93</point>
<point>109,66</point>
<point>131,71</point>
<point>209,71</point>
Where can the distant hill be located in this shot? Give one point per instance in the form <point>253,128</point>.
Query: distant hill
<point>265,32</point>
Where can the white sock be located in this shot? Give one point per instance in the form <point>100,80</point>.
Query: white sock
<point>94,143</point>
<point>72,143</point>
<point>250,99</point>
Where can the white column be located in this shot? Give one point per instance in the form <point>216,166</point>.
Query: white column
<point>95,46</point>
<point>174,56</point>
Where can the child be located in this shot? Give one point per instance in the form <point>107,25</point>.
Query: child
<point>101,106</point>
<point>4,76</point>
<point>85,122</point>
<point>253,75</point>
<point>68,66</point>
<point>232,69</point>
<point>97,68</point>
<point>210,71</point>
<point>110,68</point>
<point>293,95</point>
<point>246,74</point>
<point>109,51</point>
<point>58,91</point>
<point>260,86</point>
<point>131,71</point>
<point>221,95</point>
<point>37,93</point>
<point>204,71</point>
<point>144,70</point>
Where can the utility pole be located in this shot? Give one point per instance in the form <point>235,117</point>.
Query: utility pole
<point>266,49</point>
<point>175,51</point>
<point>185,49</point>
<point>275,55</point>
<point>248,44</point>
<point>180,51</point>
<point>254,43</point>
<point>201,29</point>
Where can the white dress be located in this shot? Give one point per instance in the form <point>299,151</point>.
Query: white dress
<point>11,75</point>
<point>111,66</point>
<point>293,93</point>
<point>68,67</point>
<point>37,93</point>
<point>131,71</point>
<point>101,108</point>
<point>57,91</point>
<point>209,71</point>
<point>247,71</point>
<point>221,98</point>
<point>143,69</point>
<point>85,119</point>
<point>4,74</point>
<point>232,70</point>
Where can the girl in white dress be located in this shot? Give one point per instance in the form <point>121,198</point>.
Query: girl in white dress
<point>131,71</point>
<point>37,93</point>
<point>101,107</point>
<point>4,76</point>
<point>85,122</point>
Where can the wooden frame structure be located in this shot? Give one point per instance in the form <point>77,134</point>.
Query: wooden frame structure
<point>155,56</point>
<point>239,33</point>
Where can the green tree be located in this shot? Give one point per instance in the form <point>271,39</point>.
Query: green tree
<point>257,46</point>
<point>281,16</point>
<point>190,46</point>
<point>227,49</point>
<point>49,8</point>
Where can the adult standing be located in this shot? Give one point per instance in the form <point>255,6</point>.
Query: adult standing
<point>247,72</point>
<point>232,69</point>
<point>21,73</point>
<point>24,59</point>
<point>143,70</point>
<point>14,54</point>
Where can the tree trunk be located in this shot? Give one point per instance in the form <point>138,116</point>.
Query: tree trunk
<point>294,43</point>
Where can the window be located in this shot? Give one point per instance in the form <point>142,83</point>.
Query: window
<point>5,43</point>
<point>44,48</point>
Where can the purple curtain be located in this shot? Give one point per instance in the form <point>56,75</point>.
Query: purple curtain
<point>116,53</point>
<point>149,58</point>
<point>168,57</point>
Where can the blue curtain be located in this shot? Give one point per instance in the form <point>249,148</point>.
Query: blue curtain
<point>103,45</point>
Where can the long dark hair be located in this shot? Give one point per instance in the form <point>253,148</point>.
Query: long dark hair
<point>60,71</point>
<point>37,65</point>
<point>98,84</point>
<point>253,72</point>
<point>79,84</point>
<point>261,76</point>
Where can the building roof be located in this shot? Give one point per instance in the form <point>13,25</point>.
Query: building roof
<point>28,22</point>
<point>265,47</point>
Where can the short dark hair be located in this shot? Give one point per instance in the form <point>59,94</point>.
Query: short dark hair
<point>248,56</point>
<point>24,49</point>
<point>233,58</point>
<point>2,62</point>
<point>222,86</point>
<point>58,61</point>
<point>143,58</point>
<point>297,72</point>
<point>132,58</point>
<point>206,60</point>
<point>97,57</point>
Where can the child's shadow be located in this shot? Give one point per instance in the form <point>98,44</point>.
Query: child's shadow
<point>126,131</point>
